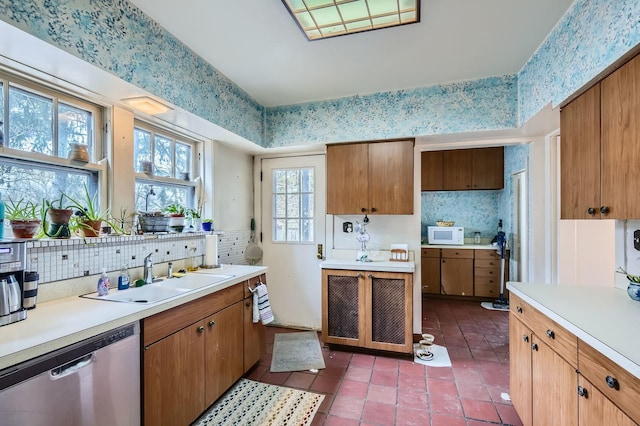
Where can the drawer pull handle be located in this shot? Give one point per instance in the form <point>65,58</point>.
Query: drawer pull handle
<point>519,309</point>
<point>247,304</point>
<point>200,329</point>
<point>551,334</point>
<point>583,392</point>
<point>525,338</point>
<point>534,346</point>
<point>612,383</point>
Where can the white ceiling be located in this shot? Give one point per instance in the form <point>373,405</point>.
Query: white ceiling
<point>258,45</point>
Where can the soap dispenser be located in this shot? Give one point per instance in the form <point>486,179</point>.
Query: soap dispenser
<point>103,283</point>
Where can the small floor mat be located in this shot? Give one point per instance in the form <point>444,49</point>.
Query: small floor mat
<point>489,305</point>
<point>250,403</point>
<point>440,356</point>
<point>296,352</point>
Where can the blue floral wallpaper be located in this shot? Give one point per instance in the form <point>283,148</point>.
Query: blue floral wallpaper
<point>486,104</point>
<point>477,210</point>
<point>592,35</point>
<point>118,37</point>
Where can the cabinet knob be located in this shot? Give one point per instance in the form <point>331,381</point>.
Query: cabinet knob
<point>212,323</point>
<point>612,382</point>
<point>591,211</point>
<point>604,210</point>
<point>551,334</point>
<point>583,392</point>
<point>519,309</point>
<point>369,275</point>
<point>373,210</point>
<point>362,209</point>
<point>534,346</point>
<point>200,329</point>
<point>525,338</point>
<point>359,276</point>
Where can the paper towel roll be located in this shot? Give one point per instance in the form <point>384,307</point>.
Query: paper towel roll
<point>211,250</point>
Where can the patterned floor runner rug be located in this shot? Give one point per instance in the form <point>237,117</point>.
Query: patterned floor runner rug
<point>254,403</point>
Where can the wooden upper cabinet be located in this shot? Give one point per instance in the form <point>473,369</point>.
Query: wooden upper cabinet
<point>620,162</point>
<point>463,169</point>
<point>370,178</point>
<point>488,168</point>
<point>458,169</point>
<point>580,157</point>
<point>431,170</point>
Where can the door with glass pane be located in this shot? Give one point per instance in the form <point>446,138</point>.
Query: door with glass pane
<point>292,226</point>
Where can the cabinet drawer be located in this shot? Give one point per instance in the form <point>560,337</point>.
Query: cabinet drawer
<point>430,252</point>
<point>487,290</point>
<point>487,272</point>
<point>488,263</point>
<point>457,253</point>
<point>487,280</point>
<point>554,335</point>
<point>487,254</point>
<point>596,368</point>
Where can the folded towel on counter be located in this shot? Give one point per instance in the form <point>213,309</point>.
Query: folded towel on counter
<point>256,313</point>
<point>264,308</point>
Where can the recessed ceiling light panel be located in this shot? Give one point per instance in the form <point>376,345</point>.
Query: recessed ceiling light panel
<point>147,105</point>
<point>329,18</point>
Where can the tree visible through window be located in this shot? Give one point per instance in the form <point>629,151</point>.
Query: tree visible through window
<point>293,205</point>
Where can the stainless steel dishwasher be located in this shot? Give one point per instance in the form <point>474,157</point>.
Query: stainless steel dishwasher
<point>93,382</point>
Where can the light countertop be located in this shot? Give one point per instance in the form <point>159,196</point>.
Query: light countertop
<point>603,317</point>
<point>59,323</point>
<point>464,247</point>
<point>381,266</point>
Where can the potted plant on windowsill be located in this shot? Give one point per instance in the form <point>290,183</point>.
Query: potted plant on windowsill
<point>176,213</point>
<point>60,215</point>
<point>194,216</point>
<point>88,217</point>
<point>207,225</point>
<point>23,217</point>
<point>153,221</point>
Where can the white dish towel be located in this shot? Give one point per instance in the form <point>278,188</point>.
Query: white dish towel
<point>264,308</point>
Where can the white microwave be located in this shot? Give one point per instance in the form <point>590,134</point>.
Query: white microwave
<point>453,235</point>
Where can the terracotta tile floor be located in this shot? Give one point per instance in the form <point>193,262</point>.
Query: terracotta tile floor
<point>365,389</point>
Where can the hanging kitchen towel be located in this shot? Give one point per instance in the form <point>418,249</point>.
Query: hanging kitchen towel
<point>263,304</point>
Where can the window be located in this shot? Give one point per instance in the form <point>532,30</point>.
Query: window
<point>37,124</point>
<point>170,160</point>
<point>293,205</point>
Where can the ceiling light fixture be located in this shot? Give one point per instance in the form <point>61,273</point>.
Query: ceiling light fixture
<point>320,19</point>
<point>147,105</point>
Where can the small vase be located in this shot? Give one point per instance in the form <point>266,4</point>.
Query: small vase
<point>59,226</point>
<point>634,291</point>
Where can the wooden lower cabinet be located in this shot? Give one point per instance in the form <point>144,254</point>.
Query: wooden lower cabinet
<point>194,352</point>
<point>520,378</point>
<point>368,309</point>
<point>223,355</point>
<point>430,270</point>
<point>254,333</point>
<point>173,378</point>
<point>456,272</point>
<point>594,409</point>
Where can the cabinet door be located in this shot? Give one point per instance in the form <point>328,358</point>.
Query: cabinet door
<point>254,339</point>
<point>343,307</point>
<point>458,169</point>
<point>389,311</point>
<point>488,168</point>
<point>554,384</point>
<point>431,170</point>
<point>430,270</point>
<point>174,378</point>
<point>347,179</point>
<point>580,157</point>
<point>456,277</point>
<point>621,141</point>
<point>391,177</point>
<point>520,368</point>
<point>596,410</point>
<point>223,357</point>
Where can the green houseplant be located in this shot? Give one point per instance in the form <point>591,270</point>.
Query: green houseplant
<point>23,216</point>
<point>194,217</point>
<point>176,213</point>
<point>60,215</point>
<point>207,225</point>
<point>88,216</point>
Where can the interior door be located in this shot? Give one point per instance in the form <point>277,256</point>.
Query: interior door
<point>293,224</point>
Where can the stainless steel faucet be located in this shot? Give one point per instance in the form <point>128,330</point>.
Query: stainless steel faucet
<point>148,269</point>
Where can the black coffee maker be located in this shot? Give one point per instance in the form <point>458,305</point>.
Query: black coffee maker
<point>12,266</point>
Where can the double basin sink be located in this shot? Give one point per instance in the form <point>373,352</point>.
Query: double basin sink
<point>162,289</point>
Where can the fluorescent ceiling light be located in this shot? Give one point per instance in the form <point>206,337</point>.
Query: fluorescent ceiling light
<point>329,18</point>
<point>147,105</point>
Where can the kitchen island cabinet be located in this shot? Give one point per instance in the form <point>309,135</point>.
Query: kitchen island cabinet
<point>599,149</point>
<point>368,309</point>
<point>567,365</point>
<point>370,178</point>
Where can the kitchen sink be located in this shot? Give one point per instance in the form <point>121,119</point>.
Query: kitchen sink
<point>161,289</point>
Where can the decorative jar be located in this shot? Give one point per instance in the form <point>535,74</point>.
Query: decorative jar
<point>634,290</point>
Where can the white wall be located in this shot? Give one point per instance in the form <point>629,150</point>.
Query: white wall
<point>232,187</point>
